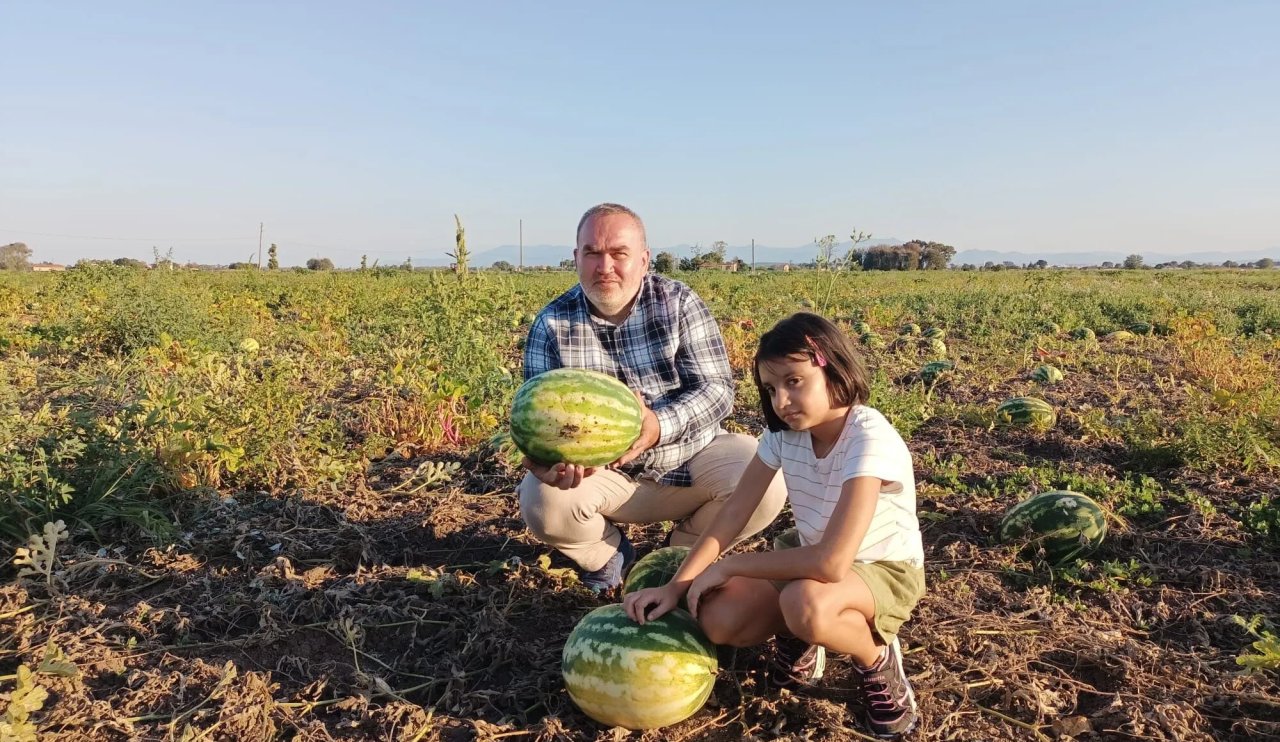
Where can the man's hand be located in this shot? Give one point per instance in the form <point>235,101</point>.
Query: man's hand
<point>562,475</point>
<point>649,433</point>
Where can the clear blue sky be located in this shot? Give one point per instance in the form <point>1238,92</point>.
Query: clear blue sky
<point>362,128</point>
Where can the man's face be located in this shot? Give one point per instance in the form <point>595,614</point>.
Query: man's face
<point>612,260</point>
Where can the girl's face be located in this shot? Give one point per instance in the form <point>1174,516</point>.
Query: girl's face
<point>797,388</point>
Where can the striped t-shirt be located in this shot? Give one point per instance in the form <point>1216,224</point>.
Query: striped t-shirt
<point>868,447</point>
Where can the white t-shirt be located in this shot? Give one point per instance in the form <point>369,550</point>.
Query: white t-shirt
<point>868,447</point>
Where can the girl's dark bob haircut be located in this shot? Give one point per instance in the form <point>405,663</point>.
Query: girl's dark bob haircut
<point>808,336</point>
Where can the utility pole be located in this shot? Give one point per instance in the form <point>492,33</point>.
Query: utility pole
<point>521,245</point>
<point>259,245</point>
<point>753,254</point>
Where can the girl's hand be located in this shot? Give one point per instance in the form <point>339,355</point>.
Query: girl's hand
<point>712,578</point>
<point>651,602</point>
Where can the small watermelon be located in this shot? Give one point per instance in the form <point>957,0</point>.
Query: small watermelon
<point>1062,525</point>
<point>931,372</point>
<point>1119,335</point>
<point>1083,333</point>
<point>1141,328</point>
<point>936,347</point>
<point>872,340</point>
<point>935,333</point>
<point>910,328</point>
<point>639,677</point>
<point>862,328</point>
<point>1026,412</point>
<point>1046,374</point>
<point>655,569</point>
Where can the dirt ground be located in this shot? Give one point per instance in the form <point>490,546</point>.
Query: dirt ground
<point>386,614</point>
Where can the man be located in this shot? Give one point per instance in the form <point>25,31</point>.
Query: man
<point>659,338</point>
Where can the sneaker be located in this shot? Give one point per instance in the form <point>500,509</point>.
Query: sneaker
<point>795,664</point>
<point>610,575</point>
<point>891,703</point>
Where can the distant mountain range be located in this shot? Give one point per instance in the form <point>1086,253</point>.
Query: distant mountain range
<point>766,255</point>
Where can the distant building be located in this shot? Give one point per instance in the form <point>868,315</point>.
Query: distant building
<point>48,267</point>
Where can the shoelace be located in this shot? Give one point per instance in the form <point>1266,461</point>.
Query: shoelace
<point>879,695</point>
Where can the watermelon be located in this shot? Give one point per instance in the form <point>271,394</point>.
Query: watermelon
<point>655,569</point>
<point>910,328</point>
<point>936,347</point>
<point>931,372</point>
<point>1063,525</point>
<point>1083,333</point>
<point>1050,327</point>
<point>862,328</point>
<point>1029,412</point>
<point>576,416</point>
<point>1141,328</point>
<point>872,340</point>
<point>1046,374</point>
<point>639,677</point>
<point>1120,335</point>
<point>935,333</point>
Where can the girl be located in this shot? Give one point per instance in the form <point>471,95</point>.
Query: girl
<point>848,575</point>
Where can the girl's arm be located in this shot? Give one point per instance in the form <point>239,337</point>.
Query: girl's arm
<point>728,523</point>
<point>830,559</point>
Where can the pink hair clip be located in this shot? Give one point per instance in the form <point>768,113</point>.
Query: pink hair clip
<point>818,358</point>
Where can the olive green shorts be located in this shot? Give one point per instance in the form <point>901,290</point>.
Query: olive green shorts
<point>895,587</point>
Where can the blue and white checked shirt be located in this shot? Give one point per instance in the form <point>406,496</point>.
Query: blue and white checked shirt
<point>669,349</point>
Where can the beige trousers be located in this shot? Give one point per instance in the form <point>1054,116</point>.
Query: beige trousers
<point>579,522</point>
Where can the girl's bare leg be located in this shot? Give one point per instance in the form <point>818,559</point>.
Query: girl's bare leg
<point>836,615</point>
<point>743,613</point>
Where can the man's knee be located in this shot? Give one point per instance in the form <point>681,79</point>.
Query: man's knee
<point>725,459</point>
<point>546,510</point>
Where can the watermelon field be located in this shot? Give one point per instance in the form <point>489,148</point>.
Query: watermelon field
<point>246,505</point>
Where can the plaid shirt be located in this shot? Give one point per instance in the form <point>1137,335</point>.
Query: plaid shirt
<point>669,349</point>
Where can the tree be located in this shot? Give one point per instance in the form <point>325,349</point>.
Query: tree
<point>319,264</point>
<point>407,265</point>
<point>1041,264</point>
<point>364,262</point>
<point>1265,263</point>
<point>162,261</point>
<point>716,255</point>
<point>459,255</point>
<point>934,256</point>
<point>15,256</point>
<point>665,262</point>
<point>853,257</point>
<point>1133,262</point>
<point>503,265</point>
<point>133,263</point>
<point>273,258</point>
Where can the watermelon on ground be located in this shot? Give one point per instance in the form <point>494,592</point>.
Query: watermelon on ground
<point>655,569</point>
<point>1060,524</point>
<point>1047,374</point>
<point>1083,333</point>
<point>931,372</point>
<point>639,677</point>
<point>1026,412</point>
<point>576,416</point>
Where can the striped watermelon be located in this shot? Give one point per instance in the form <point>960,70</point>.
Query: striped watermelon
<point>1046,374</point>
<point>934,370</point>
<point>862,328</point>
<point>872,340</point>
<point>1083,333</point>
<point>573,415</point>
<point>1062,525</point>
<point>1049,327</point>
<point>655,569</point>
<point>1141,328</point>
<point>1030,412</point>
<point>936,347</point>
<point>936,333</point>
<point>1119,335</point>
<point>639,677</point>
<point>910,328</point>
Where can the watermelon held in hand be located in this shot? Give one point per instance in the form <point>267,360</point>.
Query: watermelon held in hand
<point>1060,524</point>
<point>1026,412</point>
<point>576,416</point>
<point>639,677</point>
<point>656,569</point>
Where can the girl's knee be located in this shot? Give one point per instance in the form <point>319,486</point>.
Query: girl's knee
<point>807,615</point>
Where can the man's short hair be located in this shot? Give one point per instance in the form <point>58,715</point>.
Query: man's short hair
<point>607,209</point>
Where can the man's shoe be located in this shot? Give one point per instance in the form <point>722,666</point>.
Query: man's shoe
<point>610,575</point>
<point>795,664</point>
<point>891,703</point>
